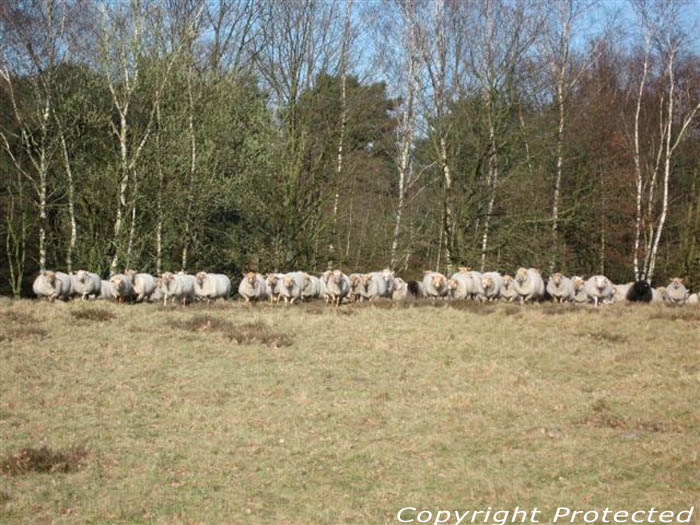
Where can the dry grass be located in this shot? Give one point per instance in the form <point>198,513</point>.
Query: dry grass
<point>422,405</point>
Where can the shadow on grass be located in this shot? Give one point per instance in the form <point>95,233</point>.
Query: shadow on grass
<point>19,325</point>
<point>43,460</point>
<point>243,334</point>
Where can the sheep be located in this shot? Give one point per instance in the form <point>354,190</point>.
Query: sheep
<point>356,289</point>
<point>459,286</point>
<point>337,286</point>
<point>620,291</point>
<point>86,284</point>
<point>415,288</point>
<point>676,293</point>
<point>693,299</point>
<point>599,289</point>
<point>373,285</point>
<point>657,294</point>
<point>311,286</point>
<point>53,285</point>
<point>254,287</point>
<point>529,285</point>
<point>400,289</point>
<point>158,292</point>
<point>212,286</point>
<point>323,288</point>
<point>106,291</point>
<point>640,291</point>
<point>389,279</point>
<point>434,284</point>
<point>580,295</point>
<point>560,288</point>
<point>272,286</point>
<point>144,284</point>
<point>291,286</point>
<point>508,292</point>
<point>491,283</point>
<point>179,286</point>
<point>122,288</point>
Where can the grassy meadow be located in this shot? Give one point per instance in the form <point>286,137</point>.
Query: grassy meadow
<point>310,415</point>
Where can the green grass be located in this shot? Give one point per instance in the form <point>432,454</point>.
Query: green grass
<point>305,414</point>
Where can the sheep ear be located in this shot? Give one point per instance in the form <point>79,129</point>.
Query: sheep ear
<point>680,280</point>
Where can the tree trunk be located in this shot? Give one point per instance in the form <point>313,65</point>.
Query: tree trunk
<point>71,203</point>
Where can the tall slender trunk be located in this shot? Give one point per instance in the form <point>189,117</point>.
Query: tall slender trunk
<point>193,167</point>
<point>638,167</point>
<point>491,182</point>
<point>71,202</point>
<point>667,170</point>
<point>448,214</point>
<point>343,123</point>
<point>558,174</point>
<point>43,169</point>
<point>123,186</point>
<point>159,197</point>
<point>132,226</point>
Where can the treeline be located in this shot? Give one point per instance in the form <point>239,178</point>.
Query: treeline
<point>302,134</point>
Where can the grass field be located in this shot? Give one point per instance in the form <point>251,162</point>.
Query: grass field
<point>306,414</point>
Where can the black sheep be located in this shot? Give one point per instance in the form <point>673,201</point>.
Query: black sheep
<point>640,292</point>
<point>414,288</point>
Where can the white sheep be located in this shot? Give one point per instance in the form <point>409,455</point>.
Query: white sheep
<point>290,287</point>
<point>560,288</point>
<point>434,284</point>
<point>529,285</point>
<point>122,288</point>
<point>389,280</point>
<point>491,283</point>
<point>53,285</point>
<point>676,293</point>
<point>179,287</point>
<point>599,289</point>
<point>373,285</point>
<point>86,284</point>
<point>580,295</point>
<point>273,281</point>
<point>400,292</point>
<point>356,289</point>
<point>693,299</point>
<point>144,284</point>
<point>212,286</point>
<point>620,291</point>
<point>657,294</point>
<point>337,286</point>
<point>508,292</point>
<point>311,286</point>
<point>106,291</point>
<point>254,287</point>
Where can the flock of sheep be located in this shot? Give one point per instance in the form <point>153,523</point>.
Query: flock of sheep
<point>335,287</point>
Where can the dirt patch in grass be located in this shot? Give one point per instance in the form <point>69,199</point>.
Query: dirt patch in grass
<point>243,334</point>
<point>604,416</point>
<point>17,317</point>
<point>605,336</point>
<point>677,314</point>
<point>93,314</point>
<point>44,460</point>
<point>259,332</point>
<point>472,307</point>
<point>204,323</point>
<point>13,333</point>
<point>558,309</point>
